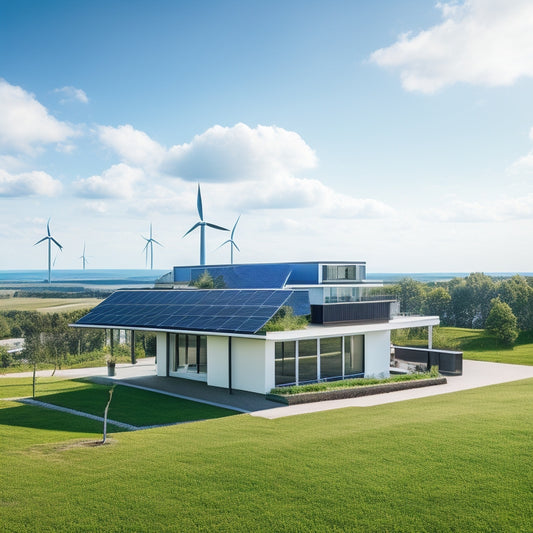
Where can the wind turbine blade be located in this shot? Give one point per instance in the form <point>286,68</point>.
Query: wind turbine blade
<point>146,246</point>
<point>43,239</point>
<point>199,204</point>
<point>56,243</point>
<point>216,227</point>
<point>48,227</point>
<point>153,240</point>
<point>193,228</point>
<point>225,242</point>
<point>234,226</point>
<point>235,246</point>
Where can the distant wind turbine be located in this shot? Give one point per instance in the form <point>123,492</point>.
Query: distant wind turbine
<point>83,257</point>
<point>150,243</point>
<point>50,239</point>
<point>202,224</point>
<point>231,242</point>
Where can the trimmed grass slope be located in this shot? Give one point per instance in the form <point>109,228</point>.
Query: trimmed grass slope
<point>456,462</point>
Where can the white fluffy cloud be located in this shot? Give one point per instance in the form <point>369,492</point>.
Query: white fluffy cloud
<point>133,146</point>
<point>118,181</point>
<point>71,94</point>
<point>250,168</point>
<point>503,209</point>
<point>35,183</point>
<point>523,165</point>
<point>25,124</point>
<point>481,42</point>
<point>240,153</point>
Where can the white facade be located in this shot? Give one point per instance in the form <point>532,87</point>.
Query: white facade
<point>253,362</point>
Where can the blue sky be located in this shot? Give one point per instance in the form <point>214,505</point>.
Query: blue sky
<point>400,133</point>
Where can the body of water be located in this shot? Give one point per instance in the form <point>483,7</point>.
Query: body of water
<point>128,277</point>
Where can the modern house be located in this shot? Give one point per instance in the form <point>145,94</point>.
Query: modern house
<point>218,335</point>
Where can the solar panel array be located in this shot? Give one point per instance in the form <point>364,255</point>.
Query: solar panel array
<point>253,276</point>
<point>228,311</point>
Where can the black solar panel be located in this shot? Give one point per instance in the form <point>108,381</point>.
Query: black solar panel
<point>232,311</point>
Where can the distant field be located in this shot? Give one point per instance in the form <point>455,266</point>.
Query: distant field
<point>47,305</point>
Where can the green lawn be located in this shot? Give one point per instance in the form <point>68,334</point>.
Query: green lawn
<point>458,462</point>
<point>129,405</point>
<point>479,345</point>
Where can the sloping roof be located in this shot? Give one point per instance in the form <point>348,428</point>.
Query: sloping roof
<point>227,311</point>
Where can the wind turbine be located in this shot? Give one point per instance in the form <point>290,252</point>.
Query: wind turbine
<point>50,239</point>
<point>83,257</point>
<point>202,224</point>
<point>231,242</point>
<point>150,242</point>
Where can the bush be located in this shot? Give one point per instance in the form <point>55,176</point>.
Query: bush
<point>501,322</point>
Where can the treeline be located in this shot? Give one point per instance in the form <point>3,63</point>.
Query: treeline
<point>469,302</point>
<point>49,339</point>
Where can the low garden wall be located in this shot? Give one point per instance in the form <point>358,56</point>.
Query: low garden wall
<point>353,392</point>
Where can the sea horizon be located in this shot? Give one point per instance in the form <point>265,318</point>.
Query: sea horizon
<point>120,276</point>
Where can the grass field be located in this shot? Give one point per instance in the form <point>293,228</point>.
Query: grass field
<point>479,345</point>
<point>457,462</point>
<point>47,305</point>
<point>129,405</point>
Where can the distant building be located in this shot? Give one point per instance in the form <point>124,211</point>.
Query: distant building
<point>217,335</point>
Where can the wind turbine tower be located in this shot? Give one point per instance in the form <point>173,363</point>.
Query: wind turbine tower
<point>150,243</point>
<point>231,242</point>
<point>83,258</point>
<point>50,240</point>
<point>202,224</point>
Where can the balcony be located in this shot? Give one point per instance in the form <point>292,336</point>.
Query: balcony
<point>354,312</point>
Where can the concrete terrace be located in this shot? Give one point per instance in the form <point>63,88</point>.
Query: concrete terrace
<point>142,375</point>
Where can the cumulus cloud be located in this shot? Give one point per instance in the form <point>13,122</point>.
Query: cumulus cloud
<point>251,168</point>
<point>523,165</point>
<point>240,153</point>
<point>504,209</point>
<point>133,146</point>
<point>71,94</point>
<point>479,42</point>
<point>25,124</point>
<point>118,181</point>
<point>35,183</point>
<point>291,192</point>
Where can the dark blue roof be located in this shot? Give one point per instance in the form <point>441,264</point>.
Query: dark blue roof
<point>228,311</point>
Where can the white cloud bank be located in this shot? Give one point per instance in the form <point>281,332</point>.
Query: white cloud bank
<point>480,42</point>
<point>35,183</point>
<point>119,181</point>
<point>25,124</point>
<point>251,168</point>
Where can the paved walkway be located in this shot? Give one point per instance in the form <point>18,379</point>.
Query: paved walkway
<point>142,375</point>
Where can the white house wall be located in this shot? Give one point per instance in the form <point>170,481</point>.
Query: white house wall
<point>161,351</point>
<point>377,353</point>
<point>217,361</point>
<point>248,365</point>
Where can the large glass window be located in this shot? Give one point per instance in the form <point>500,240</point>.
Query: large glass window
<point>285,353</point>
<point>188,353</point>
<point>339,273</point>
<point>354,355</point>
<point>331,358</point>
<point>307,360</point>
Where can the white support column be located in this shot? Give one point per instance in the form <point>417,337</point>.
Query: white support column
<point>343,355</point>
<point>297,361</point>
<point>430,337</point>
<point>318,359</point>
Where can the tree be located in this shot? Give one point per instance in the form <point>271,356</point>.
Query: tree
<point>518,294</point>
<point>501,322</point>
<point>411,295</point>
<point>5,357</point>
<point>438,302</point>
